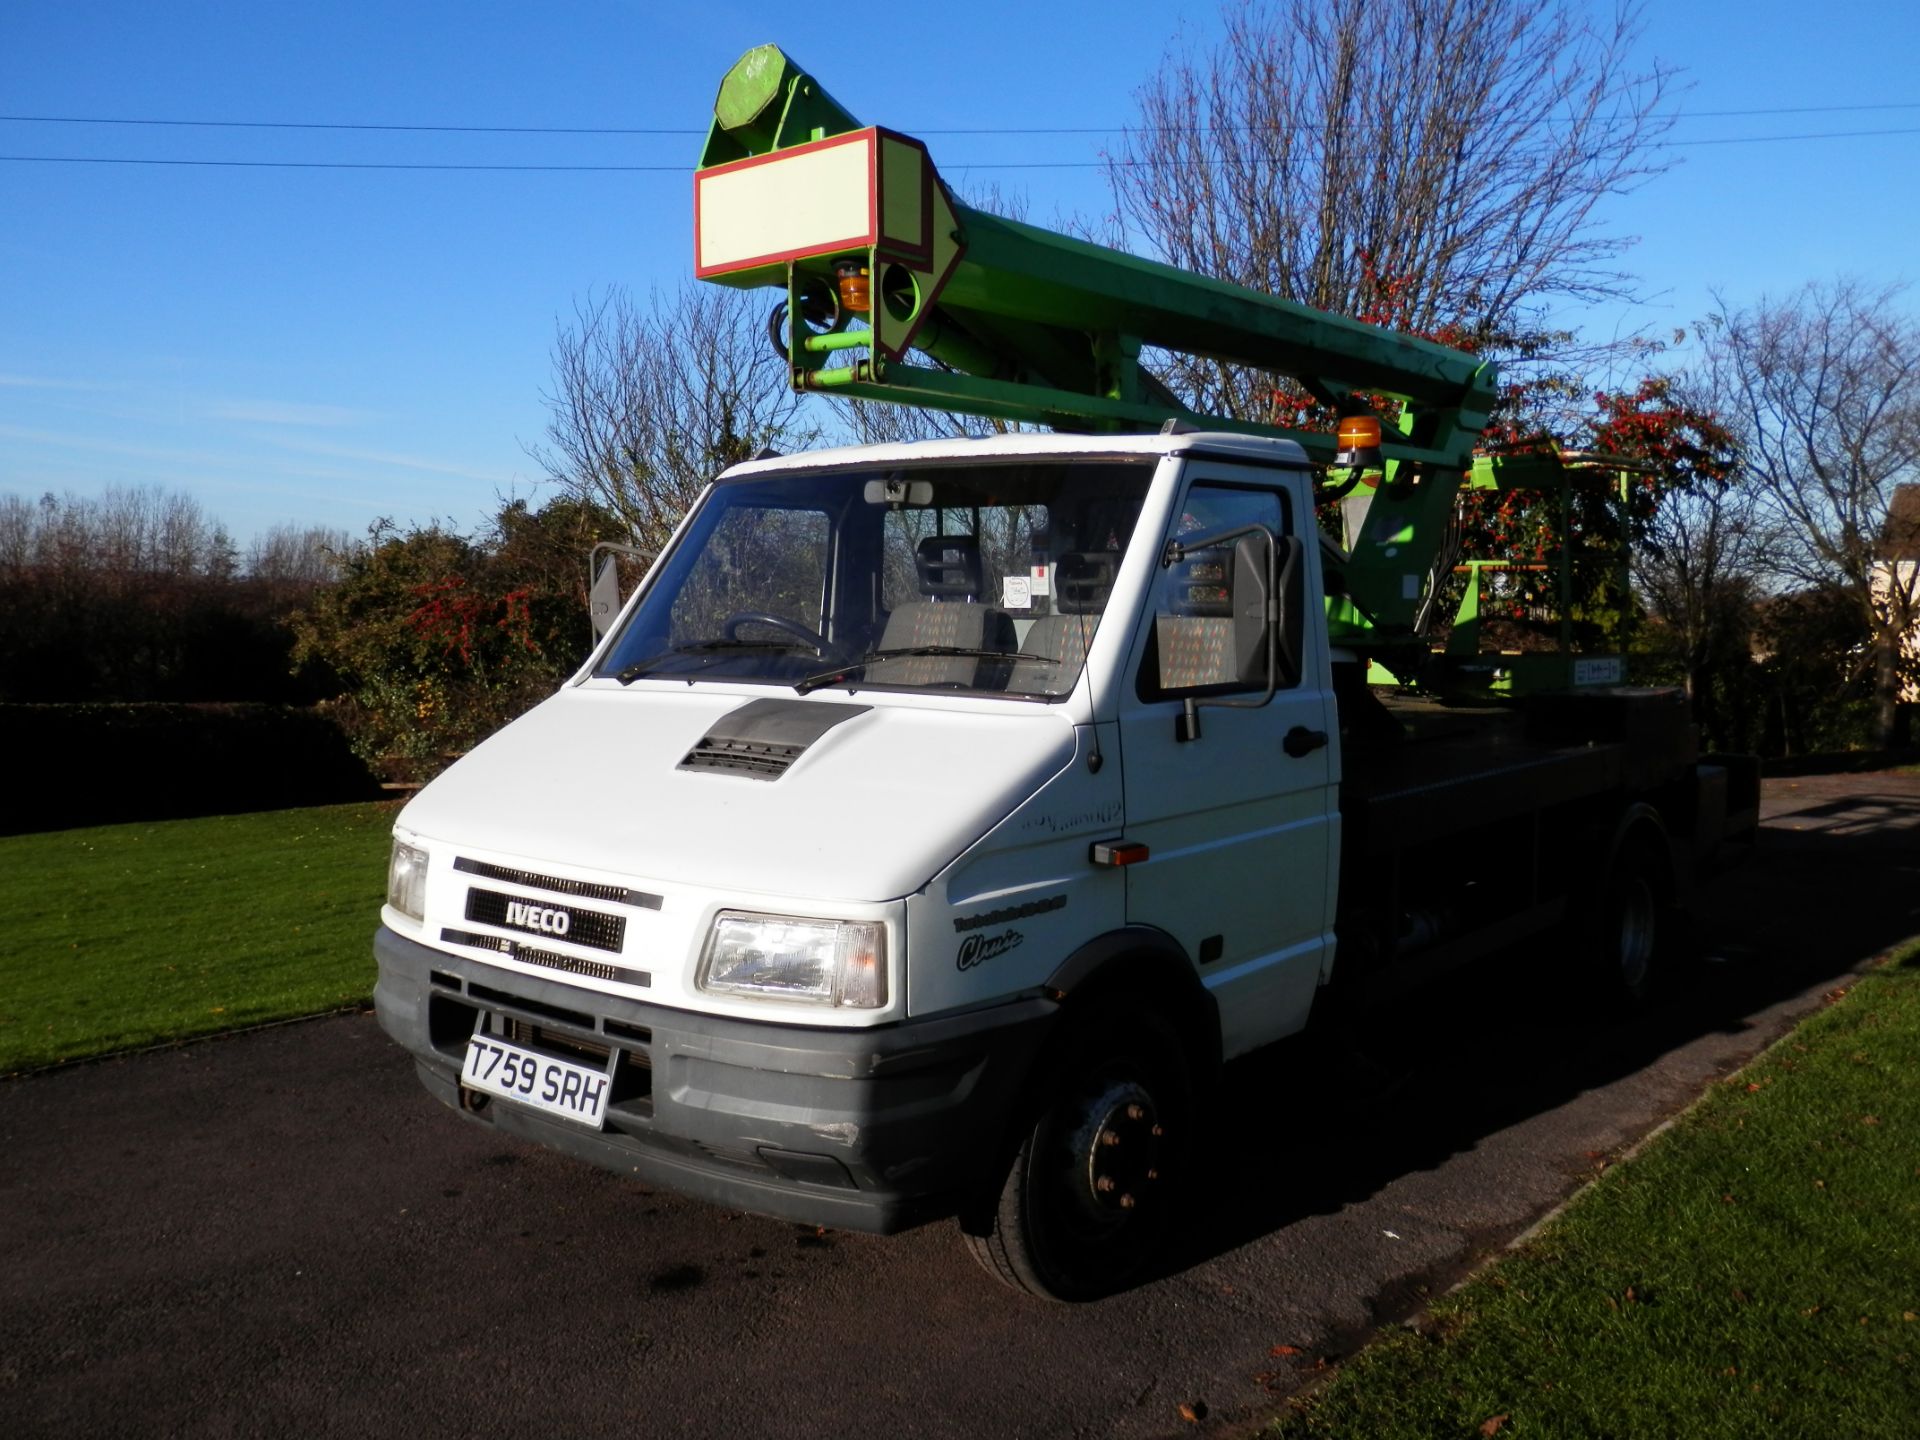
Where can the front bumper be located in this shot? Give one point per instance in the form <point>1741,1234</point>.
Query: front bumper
<point>873,1130</point>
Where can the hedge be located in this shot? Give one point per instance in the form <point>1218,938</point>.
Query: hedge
<point>101,764</point>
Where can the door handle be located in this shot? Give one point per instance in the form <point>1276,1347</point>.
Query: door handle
<point>1302,741</point>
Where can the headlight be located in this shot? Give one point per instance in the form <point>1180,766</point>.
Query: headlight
<point>826,962</point>
<point>407,880</point>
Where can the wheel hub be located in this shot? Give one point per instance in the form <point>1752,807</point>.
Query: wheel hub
<point>1634,930</point>
<point>1120,1150</point>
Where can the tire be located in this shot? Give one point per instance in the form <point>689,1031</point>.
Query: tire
<point>1623,935</point>
<point>1091,1193</point>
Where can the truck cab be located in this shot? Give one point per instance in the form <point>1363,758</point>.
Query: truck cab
<point>935,814</point>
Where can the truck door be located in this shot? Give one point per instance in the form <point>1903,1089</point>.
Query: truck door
<point>1241,823</point>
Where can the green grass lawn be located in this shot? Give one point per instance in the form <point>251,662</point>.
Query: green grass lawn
<point>1754,1272</point>
<point>126,935</point>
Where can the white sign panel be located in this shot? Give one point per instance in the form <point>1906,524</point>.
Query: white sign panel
<point>799,203</point>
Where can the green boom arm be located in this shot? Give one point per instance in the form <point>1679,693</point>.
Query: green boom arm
<point>1033,326</point>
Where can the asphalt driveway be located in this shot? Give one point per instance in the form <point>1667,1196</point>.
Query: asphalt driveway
<point>279,1232</point>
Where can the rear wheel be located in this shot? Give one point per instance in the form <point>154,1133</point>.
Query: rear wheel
<point>1090,1195</point>
<point>1623,934</point>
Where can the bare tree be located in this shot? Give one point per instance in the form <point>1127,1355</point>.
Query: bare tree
<point>123,533</point>
<point>17,532</point>
<point>1434,165</point>
<point>63,541</point>
<point>1822,390</point>
<point>882,422</point>
<point>298,555</point>
<point>1698,566</point>
<point>648,406</point>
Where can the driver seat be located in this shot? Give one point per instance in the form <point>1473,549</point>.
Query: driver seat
<point>951,578</point>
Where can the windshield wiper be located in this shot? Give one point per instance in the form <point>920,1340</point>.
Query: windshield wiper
<point>702,647</point>
<point>851,668</point>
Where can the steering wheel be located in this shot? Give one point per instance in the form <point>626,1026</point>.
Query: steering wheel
<point>731,625</point>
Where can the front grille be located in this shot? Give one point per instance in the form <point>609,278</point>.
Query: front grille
<point>543,1037</point>
<point>533,880</point>
<point>752,758</point>
<point>592,928</point>
<point>532,955</point>
<point>579,1019</point>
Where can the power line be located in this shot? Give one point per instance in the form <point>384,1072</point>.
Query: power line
<point>663,130</point>
<point>319,164</point>
<point>333,125</point>
<point>1798,110</point>
<point>957,165</point>
<point>1765,139</point>
<point>954,165</point>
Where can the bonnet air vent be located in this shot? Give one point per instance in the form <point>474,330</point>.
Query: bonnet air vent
<point>763,738</point>
<point>741,757</point>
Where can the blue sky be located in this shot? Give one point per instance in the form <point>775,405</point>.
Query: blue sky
<point>329,346</point>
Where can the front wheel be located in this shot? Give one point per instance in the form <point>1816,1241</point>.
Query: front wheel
<point>1090,1196</point>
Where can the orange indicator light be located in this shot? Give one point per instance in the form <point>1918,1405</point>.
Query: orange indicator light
<point>1359,432</point>
<point>856,287</point>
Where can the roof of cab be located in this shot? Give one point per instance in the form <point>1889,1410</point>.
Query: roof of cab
<point>1025,445</point>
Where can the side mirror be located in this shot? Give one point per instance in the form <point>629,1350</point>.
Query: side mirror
<point>1256,609</point>
<point>603,598</point>
<point>1267,628</point>
<point>1252,612</point>
<point>603,585</point>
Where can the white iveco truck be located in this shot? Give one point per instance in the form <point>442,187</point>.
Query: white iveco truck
<point>936,819</point>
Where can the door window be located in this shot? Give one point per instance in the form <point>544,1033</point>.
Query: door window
<point>1193,647</point>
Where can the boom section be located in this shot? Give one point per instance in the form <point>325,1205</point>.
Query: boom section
<point>1025,324</point>
<point>893,290</point>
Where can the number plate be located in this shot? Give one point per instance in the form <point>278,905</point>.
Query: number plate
<point>565,1088</point>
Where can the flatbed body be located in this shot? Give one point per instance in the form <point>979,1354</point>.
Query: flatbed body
<point>1442,789</point>
<point>1459,767</point>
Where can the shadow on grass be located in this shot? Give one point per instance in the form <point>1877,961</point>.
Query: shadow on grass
<point>1826,889</point>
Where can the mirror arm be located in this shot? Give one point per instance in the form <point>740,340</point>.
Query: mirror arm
<point>1178,550</point>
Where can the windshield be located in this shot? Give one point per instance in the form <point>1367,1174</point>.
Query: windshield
<point>990,579</point>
